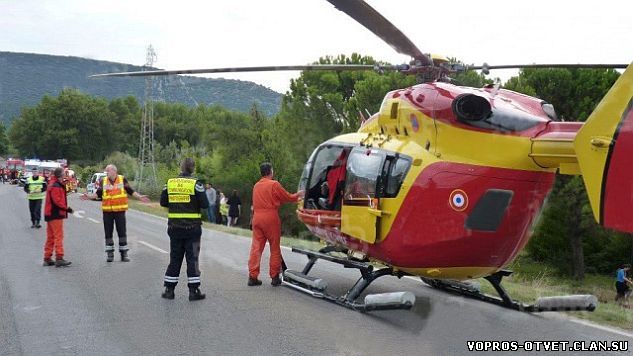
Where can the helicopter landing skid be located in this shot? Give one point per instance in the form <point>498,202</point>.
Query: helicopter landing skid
<point>558,303</point>
<point>317,287</point>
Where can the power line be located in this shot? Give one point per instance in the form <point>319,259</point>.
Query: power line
<point>146,174</point>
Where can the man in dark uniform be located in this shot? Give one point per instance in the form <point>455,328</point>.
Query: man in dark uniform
<point>35,189</point>
<point>184,197</point>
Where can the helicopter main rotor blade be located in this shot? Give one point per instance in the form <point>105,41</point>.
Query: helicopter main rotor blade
<point>381,27</point>
<point>558,65</point>
<point>333,67</point>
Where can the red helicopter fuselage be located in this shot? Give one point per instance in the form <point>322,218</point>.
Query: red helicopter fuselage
<point>472,191</point>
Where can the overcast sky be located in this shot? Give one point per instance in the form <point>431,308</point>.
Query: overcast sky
<point>207,34</point>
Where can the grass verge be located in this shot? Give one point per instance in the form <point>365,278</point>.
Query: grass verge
<point>532,280</point>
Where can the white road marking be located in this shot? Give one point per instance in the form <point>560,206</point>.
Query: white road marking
<point>153,247</point>
<point>601,327</point>
<point>32,308</point>
<point>79,213</point>
<point>94,220</point>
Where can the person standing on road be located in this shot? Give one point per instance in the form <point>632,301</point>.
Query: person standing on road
<point>35,189</point>
<point>55,211</point>
<point>268,195</point>
<point>184,197</point>
<point>235,209</point>
<point>211,195</point>
<point>113,193</point>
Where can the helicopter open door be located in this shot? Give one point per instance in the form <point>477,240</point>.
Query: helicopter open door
<point>360,212</point>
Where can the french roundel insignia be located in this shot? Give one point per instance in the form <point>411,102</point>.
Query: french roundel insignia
<point>458,200</point>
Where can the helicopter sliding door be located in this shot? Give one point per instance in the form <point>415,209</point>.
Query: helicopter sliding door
<point>360,212</point>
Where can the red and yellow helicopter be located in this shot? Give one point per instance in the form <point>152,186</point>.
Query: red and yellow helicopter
<point>445,181</point>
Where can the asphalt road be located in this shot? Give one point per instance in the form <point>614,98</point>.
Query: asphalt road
<point>99,308</point>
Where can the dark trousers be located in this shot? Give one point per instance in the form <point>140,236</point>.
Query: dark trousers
<point>35,207</point>
<point>109,220</point>
<point>183,243</point>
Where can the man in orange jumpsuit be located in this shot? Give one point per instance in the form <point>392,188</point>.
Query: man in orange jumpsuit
<point>55,211</point>
<point>268,195</point>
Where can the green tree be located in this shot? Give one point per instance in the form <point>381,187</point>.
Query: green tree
<point>567,216</point>
<point>128,124</point>
<point>72,125</point>
<point>4,141</point>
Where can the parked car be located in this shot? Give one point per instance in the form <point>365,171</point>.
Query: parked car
<point>95,182</point>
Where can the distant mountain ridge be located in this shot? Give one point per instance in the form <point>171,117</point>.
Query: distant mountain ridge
<point>26,77</point>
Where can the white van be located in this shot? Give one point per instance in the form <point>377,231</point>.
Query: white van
<point>95,182</point>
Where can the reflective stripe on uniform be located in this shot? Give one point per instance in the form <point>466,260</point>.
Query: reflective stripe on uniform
<point>184,215</point>
<point>173,198</point>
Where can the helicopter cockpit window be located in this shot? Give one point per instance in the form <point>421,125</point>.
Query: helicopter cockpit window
<point>398,170</point>
<point>321,177</point>
<point>364,168</point>
<point>303,181</point>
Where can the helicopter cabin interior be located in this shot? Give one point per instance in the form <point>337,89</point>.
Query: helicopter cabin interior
<point>344,185</point>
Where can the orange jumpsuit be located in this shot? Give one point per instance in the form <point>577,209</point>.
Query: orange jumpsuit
<point>268,195</point>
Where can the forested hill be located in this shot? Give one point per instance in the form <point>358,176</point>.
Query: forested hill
<point>26,77</point>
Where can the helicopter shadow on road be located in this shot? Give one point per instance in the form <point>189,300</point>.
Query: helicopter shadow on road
<point>412,321</point>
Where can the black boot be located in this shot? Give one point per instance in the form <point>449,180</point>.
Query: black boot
<point>168,293</point>
<point>48,262</point>
<point>32,224</point>
<point>124,257</point>
<point>276,282</point>
<point>253,282</point>
<point>196,294</point>
<point>62,263</point>
<point>37,224</point>
<point>110,256</point>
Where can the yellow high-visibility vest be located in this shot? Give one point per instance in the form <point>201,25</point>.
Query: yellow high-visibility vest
<point>114,198</point>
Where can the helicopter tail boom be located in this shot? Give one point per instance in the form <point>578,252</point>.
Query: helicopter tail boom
<point>603,147</point>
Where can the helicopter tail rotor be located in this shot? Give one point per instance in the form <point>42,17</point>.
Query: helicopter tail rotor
<point>603,147</point>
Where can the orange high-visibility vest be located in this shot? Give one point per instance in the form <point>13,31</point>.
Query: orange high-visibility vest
<point>114,198</point>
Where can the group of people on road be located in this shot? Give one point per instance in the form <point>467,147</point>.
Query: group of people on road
<point>8,175</point>
<point>185,198</point>
<point>222,210</point>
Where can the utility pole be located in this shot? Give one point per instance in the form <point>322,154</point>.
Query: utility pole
<point>146,174</point>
